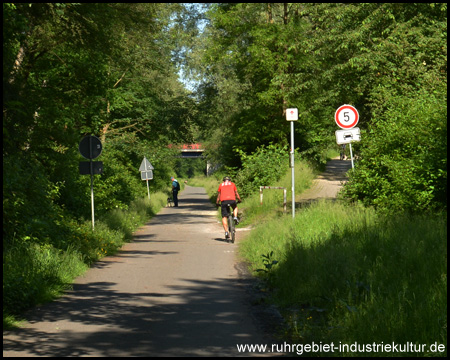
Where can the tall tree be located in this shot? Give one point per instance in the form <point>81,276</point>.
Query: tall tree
<point>246,53</point>
<point>71,69</point>
<point>256,59</point>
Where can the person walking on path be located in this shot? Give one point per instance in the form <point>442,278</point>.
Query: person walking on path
<point>227,194</point>
<point>342,153</point>
<point>175,189</point>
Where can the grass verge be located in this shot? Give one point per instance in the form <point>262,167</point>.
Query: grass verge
<point>347,275</point>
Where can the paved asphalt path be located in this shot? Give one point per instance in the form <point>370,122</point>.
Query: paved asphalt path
<point>174,291</point>
<point>327,184</point>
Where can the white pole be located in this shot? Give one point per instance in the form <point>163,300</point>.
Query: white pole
<point>292,169</point>
<point>351,155</point>
<point>91,168</point>
<point>148,189</point>
<point>92,197</point>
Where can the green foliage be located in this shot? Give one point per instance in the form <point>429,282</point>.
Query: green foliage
<point>348,274</point>
<point>28,201</point>
<point>261,168</point>
<point>108,69</point>
<point>70,70</point>
<point>403,166</point>
<point>268,270</point>
<point>258,59</point>
<point>33,274</point>
<point>188,168</point>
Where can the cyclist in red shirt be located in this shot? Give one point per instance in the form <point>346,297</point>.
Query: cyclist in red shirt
<point>227,195</point>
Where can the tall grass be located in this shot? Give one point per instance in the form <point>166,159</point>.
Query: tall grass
<point>34,274</point>
<point>272,205</point>
<point>346,274</point>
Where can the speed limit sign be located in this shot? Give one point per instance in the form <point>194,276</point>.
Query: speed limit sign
<point>346,117</point>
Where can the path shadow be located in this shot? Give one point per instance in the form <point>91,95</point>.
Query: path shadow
<point>201,319</point>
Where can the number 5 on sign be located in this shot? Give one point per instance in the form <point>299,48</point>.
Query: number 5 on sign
<point>346,117</point>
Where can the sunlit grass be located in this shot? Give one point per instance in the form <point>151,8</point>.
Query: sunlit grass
<point>347,274</point>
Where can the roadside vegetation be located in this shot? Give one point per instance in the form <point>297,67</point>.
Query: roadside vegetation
<point>344,273</point>
<point>370,266</point>
<point>347,274</point>
<point>36,271</point>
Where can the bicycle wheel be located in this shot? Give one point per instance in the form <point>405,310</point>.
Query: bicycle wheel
<point>231,228</point>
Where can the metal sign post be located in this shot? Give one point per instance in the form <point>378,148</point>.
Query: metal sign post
<point>90,147</point>
<point>351,155</point>
<point>291,116</point>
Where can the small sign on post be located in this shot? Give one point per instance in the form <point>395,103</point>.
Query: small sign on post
<point>292,114</point>
<point>146,170</point>
<point>90,147</point>
<point>147,175</point>
<point>347,136</point>
<point>146,165</point>
<point>85,167</point>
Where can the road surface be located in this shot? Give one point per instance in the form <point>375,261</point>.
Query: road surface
<point>174,291</point>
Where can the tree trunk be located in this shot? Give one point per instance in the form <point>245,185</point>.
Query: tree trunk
<point>269,13</point>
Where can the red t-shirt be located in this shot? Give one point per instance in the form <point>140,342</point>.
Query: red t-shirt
<point>227,191</point>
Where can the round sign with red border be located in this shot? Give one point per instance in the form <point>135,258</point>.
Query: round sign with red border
<point>346,117</point>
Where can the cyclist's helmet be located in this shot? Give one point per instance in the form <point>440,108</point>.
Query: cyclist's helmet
<point>226,178</point>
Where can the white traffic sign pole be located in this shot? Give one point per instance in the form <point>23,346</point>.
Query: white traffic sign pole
<point>351,155</point>
<point>92,183</point>
<point>292,169</point>
<point>90,148</point>
<point>92,198</point>
<point>292,115</point>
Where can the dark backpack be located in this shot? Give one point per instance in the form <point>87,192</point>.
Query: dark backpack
<point>177,187</point>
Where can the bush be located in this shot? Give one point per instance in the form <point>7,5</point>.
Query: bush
<point>403,164</point>
<point>262,168</point>
<point>34,274</point>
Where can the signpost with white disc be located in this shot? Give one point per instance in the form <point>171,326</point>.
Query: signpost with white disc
<point>291,116</point>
